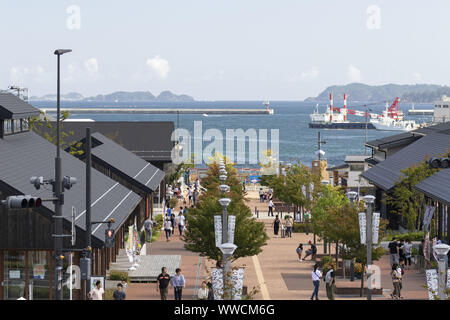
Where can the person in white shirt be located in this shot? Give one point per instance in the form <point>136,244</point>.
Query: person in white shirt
<point>97,293</point>
<point>270,207</point>
<point>316,275</point>
<point>202,293</point>
<point>181,221</point>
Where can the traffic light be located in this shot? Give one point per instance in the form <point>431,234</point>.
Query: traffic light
<point>22,202</point>
<point>109,238</point>
<point>436,163</point>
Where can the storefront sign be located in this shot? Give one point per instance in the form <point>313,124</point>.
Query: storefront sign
<point>432,282</point>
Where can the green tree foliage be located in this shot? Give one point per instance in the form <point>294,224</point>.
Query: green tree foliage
<point>39,123</point>
<point>405,200</point>
<point>199,237</point>
<point>294,187</point>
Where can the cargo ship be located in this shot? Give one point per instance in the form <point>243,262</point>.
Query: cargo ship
<point>336,118</point>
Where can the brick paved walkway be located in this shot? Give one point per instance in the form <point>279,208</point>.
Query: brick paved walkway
<point>284,277</point>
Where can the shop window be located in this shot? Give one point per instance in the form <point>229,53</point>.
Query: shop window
<point>39,275</point>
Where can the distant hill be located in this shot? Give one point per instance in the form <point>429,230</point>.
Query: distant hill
<point>387,92</point>
<point>119,96</point>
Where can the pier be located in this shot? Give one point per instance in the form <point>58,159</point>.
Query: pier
<point>159,111</point>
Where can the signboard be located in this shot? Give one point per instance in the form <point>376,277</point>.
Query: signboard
<point>14,274</point>
<point>429,211</point>
<point>375,226</point>
<point>432,282</point>
<point>362,226</point>
<point>426,247</point>
<point>95,279</point>
<point>218,229</point>
<point>231,227</point>
<point>217,283</point>
<point>39,271</point>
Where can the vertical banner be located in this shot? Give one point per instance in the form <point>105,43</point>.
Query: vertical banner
<point>426,247</point>
<point>218,229</point>
<point>130,238</point>
<point>432,283</point>
<point>231,227</point>
<point>429,211</point>
<point>375,226</point>
<point>362,226</point>
<point>217,283</point>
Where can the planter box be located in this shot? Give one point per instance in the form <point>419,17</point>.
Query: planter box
<point>353,288</point>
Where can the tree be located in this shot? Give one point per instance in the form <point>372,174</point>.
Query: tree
<point>38,123</point>
<point>405,200</point>
<point>199,237</point>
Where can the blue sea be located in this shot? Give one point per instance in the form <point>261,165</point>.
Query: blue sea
<point>297,141</point>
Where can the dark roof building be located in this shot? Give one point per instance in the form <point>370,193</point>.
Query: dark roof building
<point>386,173</point>
<point>437,186</point>
<point>385,147</point>
<point>149,140</point>
<point>27,154</point>
<point>11,107</point>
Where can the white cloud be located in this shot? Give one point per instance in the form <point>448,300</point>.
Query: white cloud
<point>91,65</point>
<point>159,65</point>
<point>354,74</point>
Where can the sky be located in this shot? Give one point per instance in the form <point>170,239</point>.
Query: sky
<point>222,50</point>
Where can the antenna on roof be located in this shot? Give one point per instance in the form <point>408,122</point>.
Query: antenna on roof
<point>20,92</point>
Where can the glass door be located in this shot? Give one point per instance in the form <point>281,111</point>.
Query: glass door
<point>14,275</point>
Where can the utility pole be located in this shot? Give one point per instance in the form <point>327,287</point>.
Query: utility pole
<point>57,192</point>
<point>88,203</point>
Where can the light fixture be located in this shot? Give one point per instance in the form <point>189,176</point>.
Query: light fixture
<point>227,248</point>
<point>369,199</point>
<point>441,249</point>
<point>352,195</point>
<point>224,202</point>
<point>224,188</point>
<point>222,177</point>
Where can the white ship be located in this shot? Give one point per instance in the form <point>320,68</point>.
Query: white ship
<point>392,119</point>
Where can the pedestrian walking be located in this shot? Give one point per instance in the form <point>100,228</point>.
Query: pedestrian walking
<point>271,205</point>
<point>178,284</point>
<point>162,284</point>
<point>396,280</point>
<point>276,226</point>
<point>421,257</point>
<point>393,251</point>
<point>167,228</point>
<point>203,291</point>
<point>299,251</point>
<point>119,294</point>
<point>190,195</point>
<point>330,282</point>
<point>181,222</point>
<point>148,226</point>
<point>316,275</point>
<point>172,221</point>
<point>195,198</point>
<point>407,250</point>
<point>289,224</point>
<point>261,195</point>
<point>97,293</point>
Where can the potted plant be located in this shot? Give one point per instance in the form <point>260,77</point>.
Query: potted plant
<point>357,268</point>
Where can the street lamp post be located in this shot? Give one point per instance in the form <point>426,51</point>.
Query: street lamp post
<point>352,196</point>
<point>369,200</point>
<point>441,251</point>
<point>57,189</point>
<point>227,251</point>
